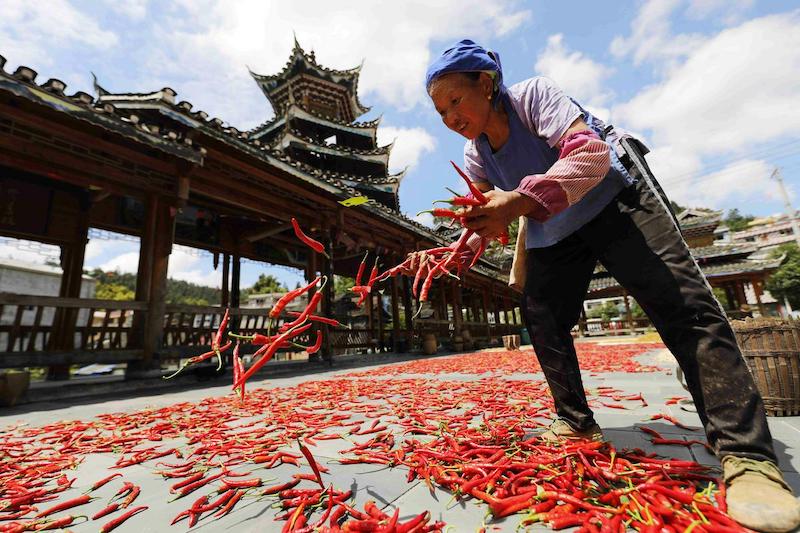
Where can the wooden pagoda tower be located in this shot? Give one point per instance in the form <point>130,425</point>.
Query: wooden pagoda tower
<point>315,123</point>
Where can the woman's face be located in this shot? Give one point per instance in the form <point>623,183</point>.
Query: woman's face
<point>463,103</point>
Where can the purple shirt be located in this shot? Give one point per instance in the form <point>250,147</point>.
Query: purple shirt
<point>539,115</point>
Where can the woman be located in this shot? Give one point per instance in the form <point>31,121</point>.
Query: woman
<point>536,153</point>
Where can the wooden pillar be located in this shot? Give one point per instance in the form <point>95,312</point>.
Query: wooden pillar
<point>327,299</point>
<point>628,314</point>
<point>457,317</point>
<point>485,307</point>
<point>409,313</point>
<point>156,302</point>
<point>741,297</point>
<point>758,290</point>
<point>443,315</point>
<point>236,276</point>
<point>395,316</point>
<point>226,268</point>
<point>72,256</point>
<point>235,291</point>
<point>144,273</point>
<point>381,332</point>
<point>370,321</point>
<point>496,308</point>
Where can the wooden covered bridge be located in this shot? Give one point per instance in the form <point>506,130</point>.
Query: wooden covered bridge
<point>150,166</point>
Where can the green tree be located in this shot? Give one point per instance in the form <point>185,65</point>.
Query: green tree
<point>113,291</point>
<point>736,221</point>
<point>636,310</point>
<point>342,284</point>
<point>785,282</point>
<point>607,311</point>
<point>178,291</point>
<point>265,283</point>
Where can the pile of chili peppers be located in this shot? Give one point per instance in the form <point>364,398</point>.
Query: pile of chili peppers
<point>470,438</point>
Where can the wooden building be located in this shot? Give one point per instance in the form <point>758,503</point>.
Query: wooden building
<point>151,166</point>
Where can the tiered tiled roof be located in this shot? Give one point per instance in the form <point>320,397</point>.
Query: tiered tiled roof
<point>301,62</point>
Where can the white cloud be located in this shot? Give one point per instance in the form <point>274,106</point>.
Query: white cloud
<point>409,145</point>
<point>729,10</point>
<point>127,262</point>
<point>31,31</point>
<point>579,76</point>
<point>133,9</point>
<point>99,251</point>
<point>187,265</point>
<point>736,92</point>
<point>651,36</point>
<point>201,37</point>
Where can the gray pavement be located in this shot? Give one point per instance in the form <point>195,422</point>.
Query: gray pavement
<point>387,486</point>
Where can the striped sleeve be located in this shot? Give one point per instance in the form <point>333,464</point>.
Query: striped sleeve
<point>583,162</point>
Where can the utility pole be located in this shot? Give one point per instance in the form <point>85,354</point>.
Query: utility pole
<point>776,175</point>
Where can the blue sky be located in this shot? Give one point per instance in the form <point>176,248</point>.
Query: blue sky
<point>710,85</point>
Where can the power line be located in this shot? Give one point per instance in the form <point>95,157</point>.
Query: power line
<point>764,153</point>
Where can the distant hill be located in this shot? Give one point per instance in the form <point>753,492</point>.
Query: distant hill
<point>122,286</point>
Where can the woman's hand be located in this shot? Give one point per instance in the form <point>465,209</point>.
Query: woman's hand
<point>493,218</point>
<point>416,260</point>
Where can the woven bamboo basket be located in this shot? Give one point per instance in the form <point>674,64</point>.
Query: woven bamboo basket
<point>771,348</point>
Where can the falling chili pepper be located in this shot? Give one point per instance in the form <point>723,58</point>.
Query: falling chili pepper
<point>311,243</point>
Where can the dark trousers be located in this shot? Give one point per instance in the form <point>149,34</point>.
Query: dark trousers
<point>636,240</point>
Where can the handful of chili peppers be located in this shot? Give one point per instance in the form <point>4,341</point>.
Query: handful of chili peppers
<point>447,260</point>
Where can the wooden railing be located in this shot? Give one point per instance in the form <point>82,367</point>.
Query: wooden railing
<point>102,332</point>
<point>483,332</point>
<point>190,329</point>
<point>614,327</point>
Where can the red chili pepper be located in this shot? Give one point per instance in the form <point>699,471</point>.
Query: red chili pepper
<point>442,213</point>
<point>230,505</point>
<point>275,489</point>
<point>472,188</point>
<point>222,326</point>
<point>289,296</point>
<point>255,367</point>
<point>317,318</point>
<point>312,462</point>
<point>108,526</point>
<point>361,268</point>
<point>460,200</point>
<point>669,418</point>
<point>105,480</point>
<point>374,274</point>
<point>58,523</point>
<point>80,500</point>
<point>188,481</point>
<point>311,243</point>
<point>134,493</point>
<point>317,344</point>
<point>106,510</point>
<point>242,483</point>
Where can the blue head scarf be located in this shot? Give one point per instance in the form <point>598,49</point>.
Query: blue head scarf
<point>466,56</point>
